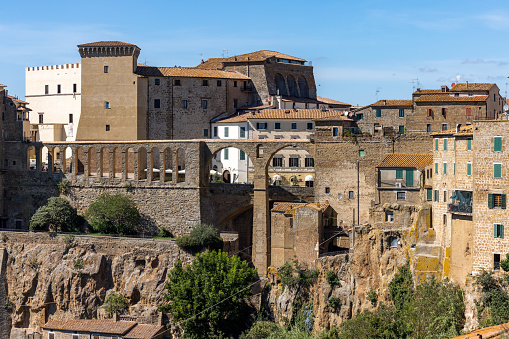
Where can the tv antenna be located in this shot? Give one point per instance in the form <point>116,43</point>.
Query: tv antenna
<point>376,93</point>
<point>415,84</point>
<point>225,53</point>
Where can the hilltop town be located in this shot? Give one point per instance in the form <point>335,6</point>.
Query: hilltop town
<point>245,144</point>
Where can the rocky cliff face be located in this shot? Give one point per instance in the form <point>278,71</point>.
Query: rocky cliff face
<point>62,277</point>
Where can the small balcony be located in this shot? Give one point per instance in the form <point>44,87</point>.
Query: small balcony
<point>461,202</point>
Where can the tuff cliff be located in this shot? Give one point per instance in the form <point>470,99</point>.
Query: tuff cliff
<point>61,277</point>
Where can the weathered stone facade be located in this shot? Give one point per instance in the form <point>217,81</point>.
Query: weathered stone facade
<point>385,113</point>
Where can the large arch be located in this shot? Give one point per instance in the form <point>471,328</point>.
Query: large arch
<point>303,87</point>
<point>280,84</point>
<point>292,86</point>
<point>214,165</point>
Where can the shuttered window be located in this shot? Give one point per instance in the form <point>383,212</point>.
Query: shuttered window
<point>497,141</point>
<point>469,110</point>
<point>469,168</point>
<point>497,201</point>
<point>445,168</point>
<point>498,230</point>
<point>429,194</point>
<point>445,144</point>
<point>401,112</point>
<point>378,112</point>
<point>409,178</point>
<point>469,144</point>
<point>497,171</point>
<point>436,144</point>
<point>399,174</point>
<point>436,167</point>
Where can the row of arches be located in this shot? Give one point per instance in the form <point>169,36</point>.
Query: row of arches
<point>289,86</point>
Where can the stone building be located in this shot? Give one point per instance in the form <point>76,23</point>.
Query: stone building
<point>391,114</point>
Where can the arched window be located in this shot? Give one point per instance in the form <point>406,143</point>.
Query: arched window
<point>280,85</point>
<point>303,87</point>
<point>292,86</point>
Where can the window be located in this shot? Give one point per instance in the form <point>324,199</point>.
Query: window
<point>261,125</point>
<point>445,196</point>
<point>277,162</point>
<point>106,69</point>
<point>469,168</point>
<point>444,127</point>
<point>445,168</point>
<point>235,103</point>
<point>389,216</point>
<point>309,162</point>
<point>360,116</point>
<point>74,88</point>
<point>46,89</point>
<point>51,335</point>
<point>351,195</point>
<point>498,230</point>
<point>469,144</point>
<point>177,82</point>
<point>205,83</point>
<point>436,144</point>
<point>219,83</point>
<point>204,104</point>
<point>429,112</point>
<point>496,201</point>
<point>41,118</point>
<point>429,194</point>
<point>436,167</point>
<point>496,261</point>
<point>497,171</point>
<point>469,111</point>
<point>361,152</point>
<point>294,125</point>
<point>409,180</point>
<point>157,103</point>
<point>235,83</point>
<point>70,118</point>
<point>242,155</point>
<point>340,196</point>
<point>206,132</point>
<point>225,154</point>
<point>242,132</point>
<point>497,144</point>
<point>327,190</point>
<point>428,127</point>
<point>226,132</point>
<point>277,125</point>
<point>401,195</point>
<point>294,162</point>
<point>215,131</point>
<point>334,131</point>
<point>445,219</point>
<point>157,82</point>
<point>309,126</point>
<point>393,242</point>
<point>107,104</point>
<point>399,174</point>
<point>401,129</point>
<point>436,196</point>
<point>378,112</point>
<point>184,104</point>
<point>75,336</point>
<point>401,113</point>
<point>444,111</point>
<point>107,127</point>
<point>59,89</point>
<point>445,144</point>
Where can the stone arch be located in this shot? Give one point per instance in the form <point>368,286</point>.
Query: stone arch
<point>116,162</point>
<point>104,162</point>
<point>303,87</point>
<point>79,160</point>
<point>180,165</point>
<point>92,162</point>
<point>142,163</point>
<point>168,164</point>
<point>129,163</point>
<point>280,84</point>
<point>292,86</point>
<point>44,156</point>
<point>238,173</point>
<point>154,163</point>
<point>57,159</point>
<point>68,160</point>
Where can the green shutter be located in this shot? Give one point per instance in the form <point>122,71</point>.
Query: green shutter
<point>378,112</point>
<point>401,113</point>
<point>399,174</point>
<point>498,144</point>
<point>409,178</point>
<point>436,144</point>
<point>436,167</point>
<point>428,194</point>
<point>445,168</point>
<point>242,155</point>
<point>501,231</point>
<point>445,144</point>
<point>495,233</point>
<point>469,169</point>
<point>469,144</point>
<point>503,201</point>
<point>497,171</point>
<point>490,200</point>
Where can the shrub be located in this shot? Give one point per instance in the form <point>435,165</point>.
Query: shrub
<point>201,236</point>
<point>334,303</point>
<point>331,278</point>
<point>262,330</point>
<point>493,306</point>
<point>293,273</point>
<point>57,215</point>
<point>115,303</point>
<point>164,233</point>
<point>113,214</point>
<point>63,186</point>
<point>504,264</point>
<point>402,286</point>
<point>372,296</point>
<point>78,264</point>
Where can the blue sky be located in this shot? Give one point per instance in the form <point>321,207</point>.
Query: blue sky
<point>356,47</point>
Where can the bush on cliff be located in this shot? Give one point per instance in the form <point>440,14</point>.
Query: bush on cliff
<point>56,216</point>
<point>115,303</point>
<point>113,214</point>
<point>209,296</point>
<point>201,236</point>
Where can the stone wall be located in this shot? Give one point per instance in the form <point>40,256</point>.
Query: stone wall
<point>389,118</point>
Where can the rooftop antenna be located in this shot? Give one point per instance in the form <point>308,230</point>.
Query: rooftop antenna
<point>376,93</point>
<point>201,57</point>
<point>415,84</point>
<point>225,53</point>
<point>506,90</point>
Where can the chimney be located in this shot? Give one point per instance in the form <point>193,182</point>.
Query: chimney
<point>385,102</point>
<point>458,128</point>
<point>467,84</point>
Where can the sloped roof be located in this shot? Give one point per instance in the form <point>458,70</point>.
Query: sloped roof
<point>407,160</point>
<point>475,86</point>
<point>107,44</point>
<point>392,103</point>
<point>3,85</point>
<point>17,100</point>
<point>487,332</point>
<point>280,114</point>
<point>447,97</point>
<point>288,207</point>
<point>91,325</point>
<point>187,72</point>
<point>428,91</point>
<point>143,331</point>
<point>262,55</point>
<point>331,101</point>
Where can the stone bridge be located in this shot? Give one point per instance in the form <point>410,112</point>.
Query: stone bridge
<point>183,167</point>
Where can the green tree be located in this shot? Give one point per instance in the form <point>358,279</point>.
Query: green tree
<point>201,236</point>
<point>57,215</point>
<point>382,323</point>
<point>115,303</point>
<point>402,286</point>
<point>493,306</point>
<point>209,296</point>
<point>113,214</point>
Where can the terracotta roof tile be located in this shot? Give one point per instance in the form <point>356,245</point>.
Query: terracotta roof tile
<point>447,97</point>
<point>288,207</point>
<point>334,118</point>
<point>17,100</point>
<point>407,160</point>
<point>305,114</point>
<point>142,331</point>
<point>428,91</point>
<point>475,86</point>
<point>3,85</point>
<point>331,101</point>
<point>392,103</point>
<point>212,63</point>
<point>187,72</point>
<point>91,325</point>
<point>487,332</point>
<point>107,44</point>
<point>218,63</point>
